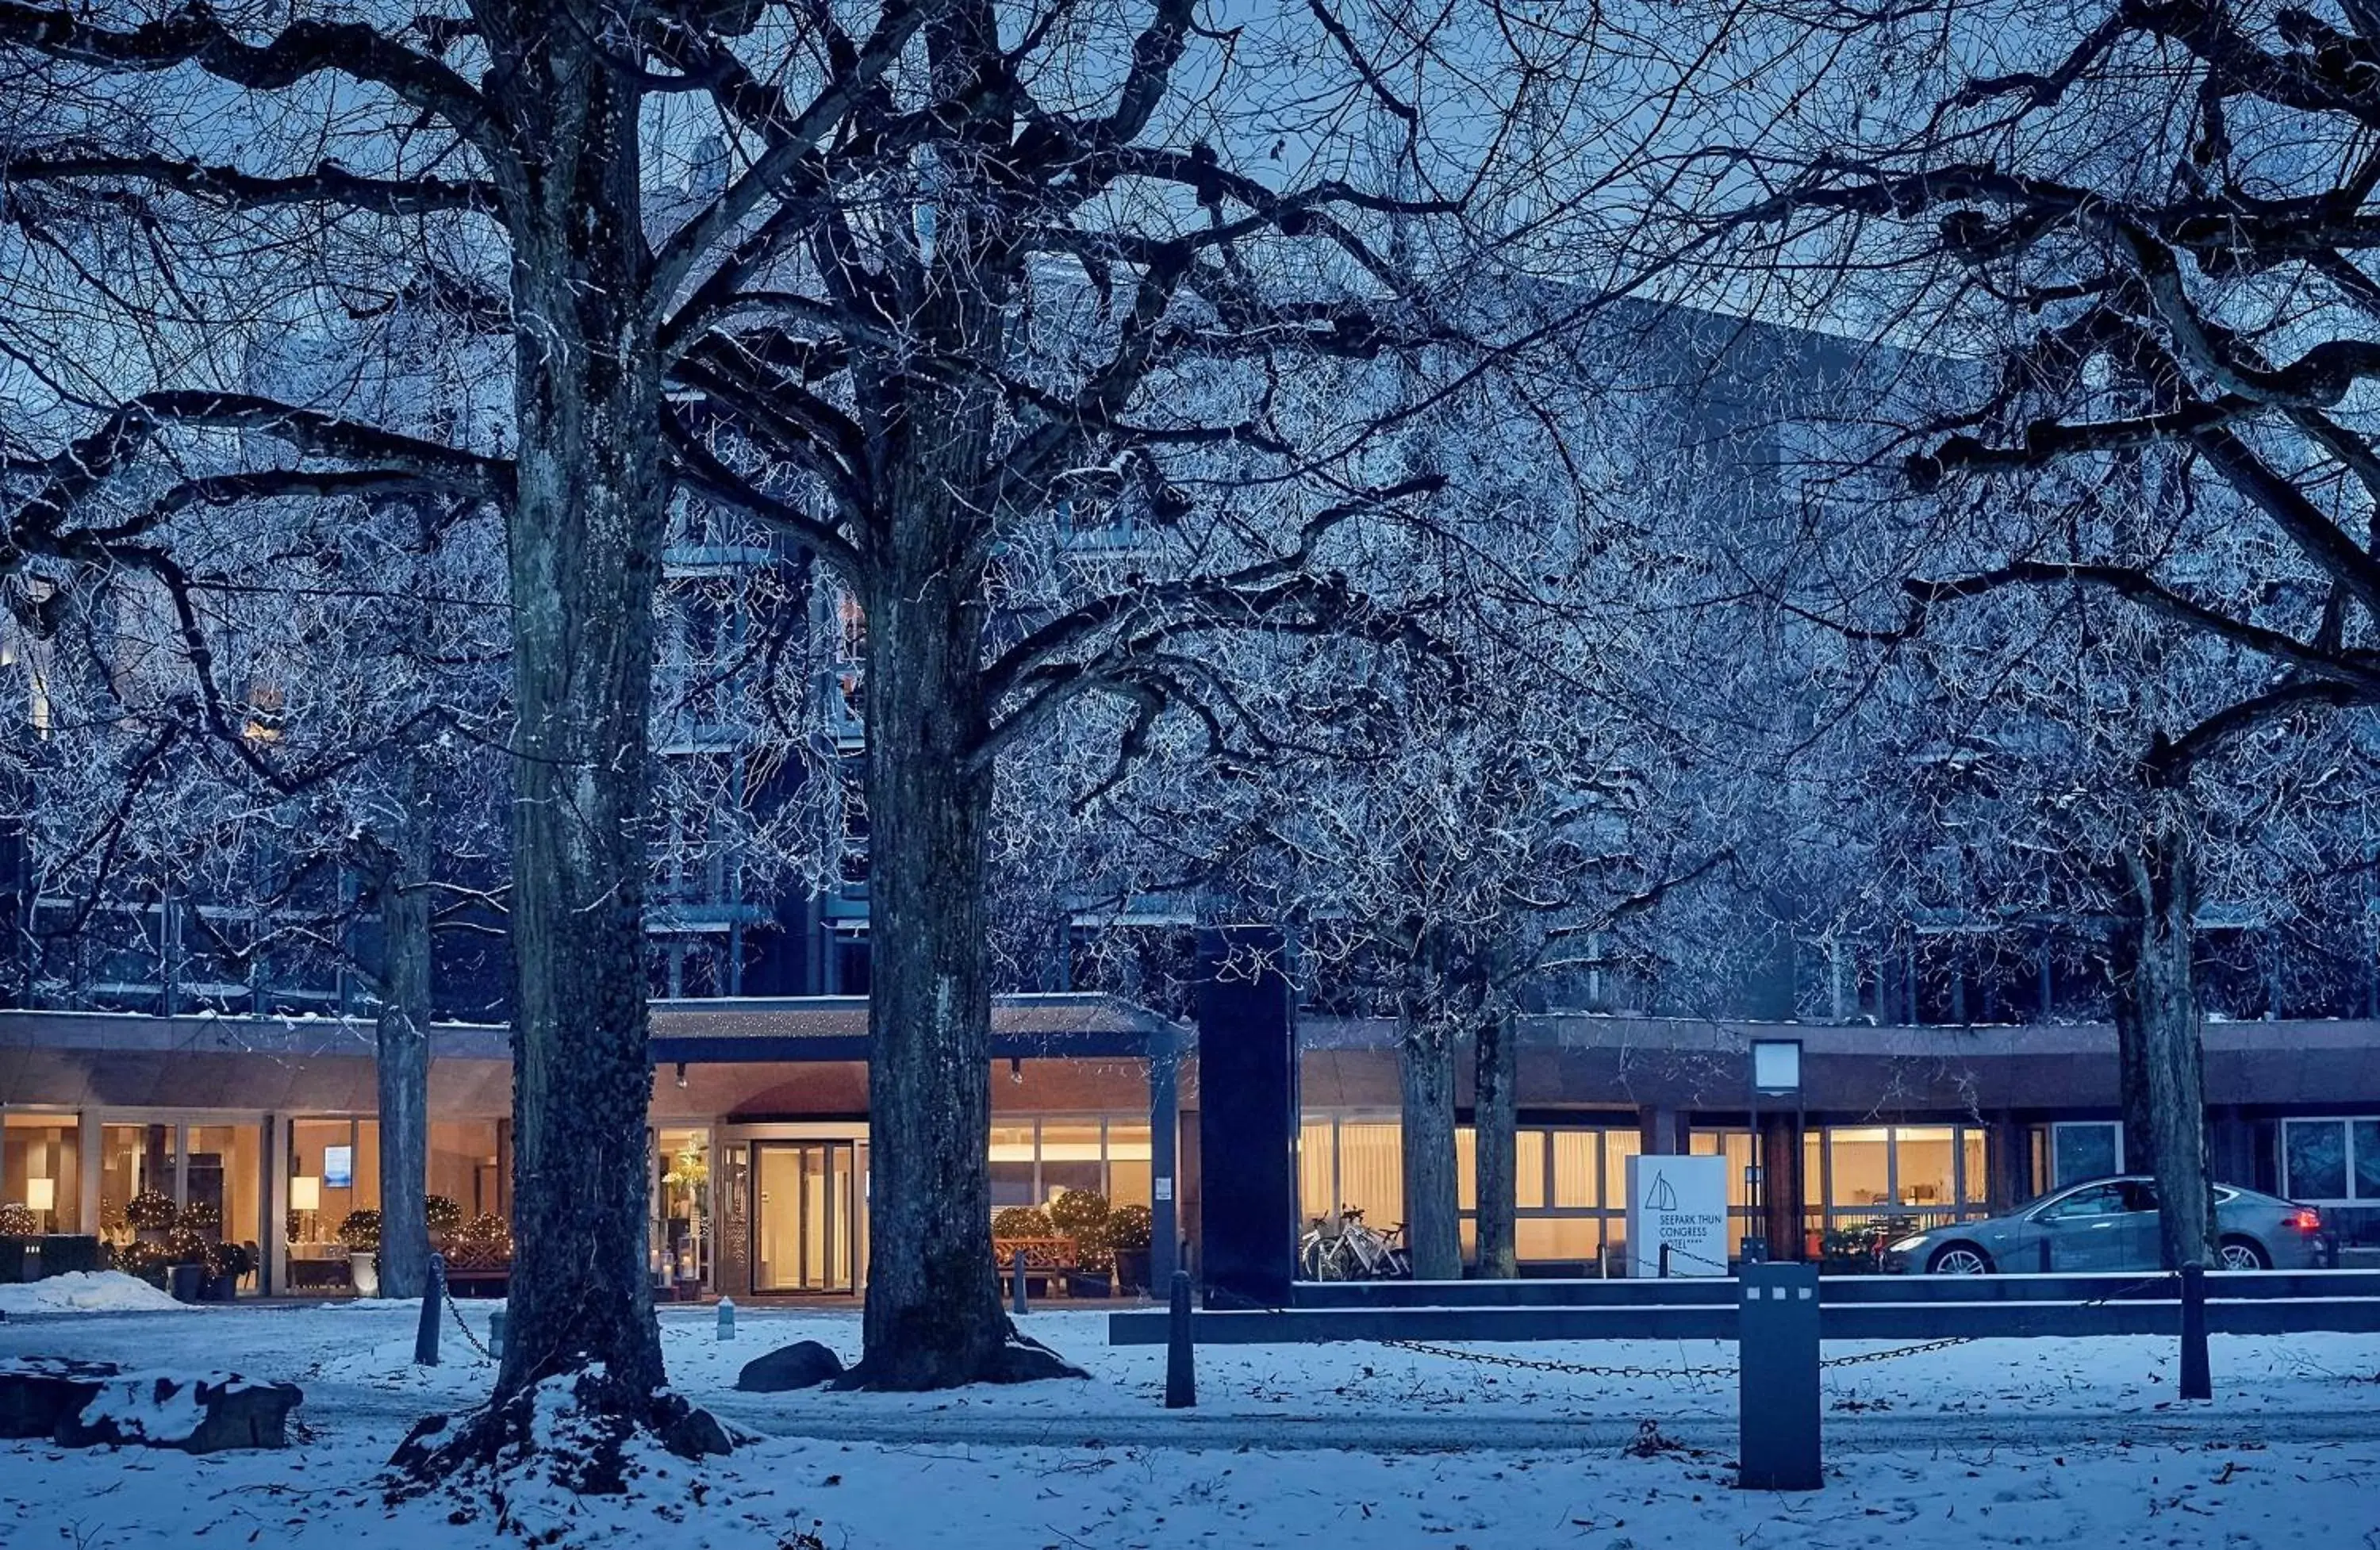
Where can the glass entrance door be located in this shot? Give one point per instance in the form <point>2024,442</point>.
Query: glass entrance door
<point>806,1215</point>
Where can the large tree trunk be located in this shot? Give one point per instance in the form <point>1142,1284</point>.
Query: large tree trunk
<point>585,539</point>
<point>2159,1024</point>
<point>401,1062</point>
<point>933,1316</point>
<point>1495,1123</point>
<point>1426,1076</point>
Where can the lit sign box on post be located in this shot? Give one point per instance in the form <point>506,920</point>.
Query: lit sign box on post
<point>1681,1202</point>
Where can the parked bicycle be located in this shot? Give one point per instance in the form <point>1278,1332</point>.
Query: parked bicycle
<point>1343,1248</point>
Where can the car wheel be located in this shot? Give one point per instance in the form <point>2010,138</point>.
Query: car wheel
<point>1958,1259</point>
<point>2242,1253</point>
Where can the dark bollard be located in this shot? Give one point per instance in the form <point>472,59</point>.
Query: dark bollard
<point>1181,1376</point>
<point>1776,1361</point>
<point>2197,1377</point>
<point>1020,1282</point>
<point>1665,1262</point>
<point>433,1303</point>
<point>496,1333</point>
<point>2044,1255</point>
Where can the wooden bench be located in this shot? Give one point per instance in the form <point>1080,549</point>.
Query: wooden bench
<point>1049,1262</point>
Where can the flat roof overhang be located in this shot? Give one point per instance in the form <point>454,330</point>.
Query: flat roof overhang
<point>780,1029</point>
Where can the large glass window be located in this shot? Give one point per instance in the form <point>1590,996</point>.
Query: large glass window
<point>1011,1166</point>
<point>40,1169</point>
<point>1130,1159</point>
<point>1372,1170</point>
<point>1317,1168</point>
<point>133,1159</point>
<point>2091,1149</point>
<point>1567,1182</point>
<point>2331,1160</point>
<point>1071,1157</point>
<point>1617,1147</point>
<point>682,1233</point>
<point>1925,1173</point>
<point>333,1173</point>
<point>1563,1238</point>
<point>1034,1160</point>
<point>467,1167</point>
<point>223,1182</point>
<point>1529,1169</point>
<point>1857,1177</point>
<point>1577,1181</point>
<point>1861,1160</point>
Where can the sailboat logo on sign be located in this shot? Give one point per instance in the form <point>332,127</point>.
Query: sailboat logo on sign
<point>1664,1198</point>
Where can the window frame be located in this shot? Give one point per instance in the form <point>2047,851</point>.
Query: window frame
<point>2347,1124</point>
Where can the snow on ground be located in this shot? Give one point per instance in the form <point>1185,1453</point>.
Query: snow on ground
<point>80,1291</point>
<point>2004,1442</point>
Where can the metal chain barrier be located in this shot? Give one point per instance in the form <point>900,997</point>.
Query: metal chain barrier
<point>1589,1369</point>
<point>2145,1281</point>
<point>1576,1369</point>
<point>1896,1353</point>
<point>1722,1266</point>
<point>465,1327</point>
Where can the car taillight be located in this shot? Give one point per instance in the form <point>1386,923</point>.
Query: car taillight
<point>2307,1220</point>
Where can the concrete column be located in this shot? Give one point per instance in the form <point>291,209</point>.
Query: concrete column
<point>1164,1158</point>
<point>273,1275</point>
<point>1780,1178</point>
<point>87,1143</point>
<point>1661,1132</point>
<point>2007,1163</point>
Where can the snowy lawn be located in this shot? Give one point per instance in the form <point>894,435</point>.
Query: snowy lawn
<point>1997,1441</point>
<point>366,1349</point>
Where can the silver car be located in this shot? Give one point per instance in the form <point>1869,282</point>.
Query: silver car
<point>2111,1224</point>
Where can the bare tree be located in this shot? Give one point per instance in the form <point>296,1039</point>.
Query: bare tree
<point>282,746</point>
<point>1050,288</point>
<point>1459,821</point>
<point>2145,227</point>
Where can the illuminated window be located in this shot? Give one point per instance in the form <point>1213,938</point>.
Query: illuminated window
<point>41,1169</point>
<point>1372,1170</point>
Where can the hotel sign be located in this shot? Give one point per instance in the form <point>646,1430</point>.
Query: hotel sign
<point>1681,1202</point>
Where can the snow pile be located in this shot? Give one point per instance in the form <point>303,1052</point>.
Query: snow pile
<point>575,1461</point>
<point>80,1291</point>
<point>151,1407</point>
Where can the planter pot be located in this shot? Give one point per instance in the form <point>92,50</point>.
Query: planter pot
<point>1132,1269</point>
<point>187,1281</point>
<point>363,1268</point>
<point>220,1289</point>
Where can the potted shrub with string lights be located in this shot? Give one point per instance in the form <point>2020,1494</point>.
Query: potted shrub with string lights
<point>361,1233</point>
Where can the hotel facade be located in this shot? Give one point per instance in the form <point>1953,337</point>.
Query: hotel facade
<point>758,1134</point>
